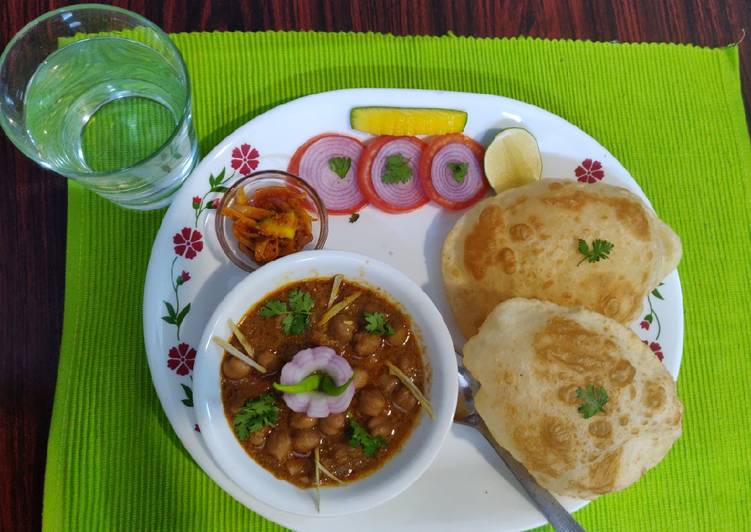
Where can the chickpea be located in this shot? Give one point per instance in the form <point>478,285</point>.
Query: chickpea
<point>235,401</point>
<point>404,399</point>
<point>234,368</point>
<point>269,360</point>
<point>381,426</point>
<point>371,401</point>
<point>380,419</point>
<point>360,378</point>
<point>296,466</point>
<point>258,438</point>
<point>384,430</point>
<point>342,327</point>
<point>400,336</point>
<point>406,363</point>
<point>367,344</point>
<point>387,383</point>
<point>333,424</point>
<point>341,455</point>
<point>301,421</point>
<point>304,441</point>
<point>279,444</point>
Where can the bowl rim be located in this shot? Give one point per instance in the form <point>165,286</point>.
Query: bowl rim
<point>403,468</point>
<point>250,265</point>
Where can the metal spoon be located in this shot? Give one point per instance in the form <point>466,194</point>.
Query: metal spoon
<point>466,414</point>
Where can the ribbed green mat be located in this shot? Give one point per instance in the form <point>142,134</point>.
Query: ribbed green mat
<point>672,114</point>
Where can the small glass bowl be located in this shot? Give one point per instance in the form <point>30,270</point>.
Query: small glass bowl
<point>259,180</point>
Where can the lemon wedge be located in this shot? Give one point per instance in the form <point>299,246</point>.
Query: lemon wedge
<point>513,159</point>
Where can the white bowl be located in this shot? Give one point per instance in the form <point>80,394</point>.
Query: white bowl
<point>402,469</point>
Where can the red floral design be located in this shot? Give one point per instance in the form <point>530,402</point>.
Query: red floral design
<point>196,201</point>
<point>188,242</point>
<point>185,277</point>
<point>656,349</point>
<point>589,171</point>
<point>245,159</point>
<point>214,204</point>
<point>181,359</point>
<point>644,325</point>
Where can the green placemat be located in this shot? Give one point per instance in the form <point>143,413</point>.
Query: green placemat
<point>672,114</point>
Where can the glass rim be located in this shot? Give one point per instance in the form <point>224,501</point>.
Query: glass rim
<point>186,111</point>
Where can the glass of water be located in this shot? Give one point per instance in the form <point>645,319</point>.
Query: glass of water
<point>101,95</point>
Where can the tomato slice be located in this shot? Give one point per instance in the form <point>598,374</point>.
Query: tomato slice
<point>426,164</point>
<point>365,175</point>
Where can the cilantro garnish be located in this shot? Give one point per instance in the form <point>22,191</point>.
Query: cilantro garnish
<point>458,171</point>
<point>254,415</point>
<point>600,250</point>
<point>296,311</point>
<point>375,322</point>
<point>340,165</point>
<point>397,169</point>
<point>358,436</point>
<point>594,400</point>
<point>273,307</point>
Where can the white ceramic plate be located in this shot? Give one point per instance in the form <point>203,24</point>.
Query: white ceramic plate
<point>467,486</point>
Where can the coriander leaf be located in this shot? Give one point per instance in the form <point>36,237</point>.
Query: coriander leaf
<point>297,324</point>
<point>358,436</point>
<point>272,308</point>
<point>397,170</point>
<point>340,165</point>
<point>295,312</point>
<point>583,247</point>
<point>254,415</point>
<point>600,250</point>
<point>287,323</point>
<point>354,217</point>
<point>300,301</point>
<point>458,171</point>
<point>594,400</point>
<point>375,322</point>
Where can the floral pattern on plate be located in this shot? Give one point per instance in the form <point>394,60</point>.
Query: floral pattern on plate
<point>188,243</point>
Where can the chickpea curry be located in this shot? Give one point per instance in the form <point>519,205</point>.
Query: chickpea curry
<point>342,382</point>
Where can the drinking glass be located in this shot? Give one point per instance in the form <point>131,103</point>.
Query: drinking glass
<point>101,95</point>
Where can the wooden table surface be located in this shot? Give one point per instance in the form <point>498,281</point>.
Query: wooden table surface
<point>33,213</point>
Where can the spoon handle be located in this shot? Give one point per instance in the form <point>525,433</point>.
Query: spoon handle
<point>556,514</point>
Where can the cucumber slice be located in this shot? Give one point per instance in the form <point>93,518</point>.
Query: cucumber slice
<point>407,120</point>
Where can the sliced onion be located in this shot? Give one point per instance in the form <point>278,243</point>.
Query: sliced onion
<point>398,194</point>
<point>443,180</point>
<point>311,163</point>
<point>317,404</point>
